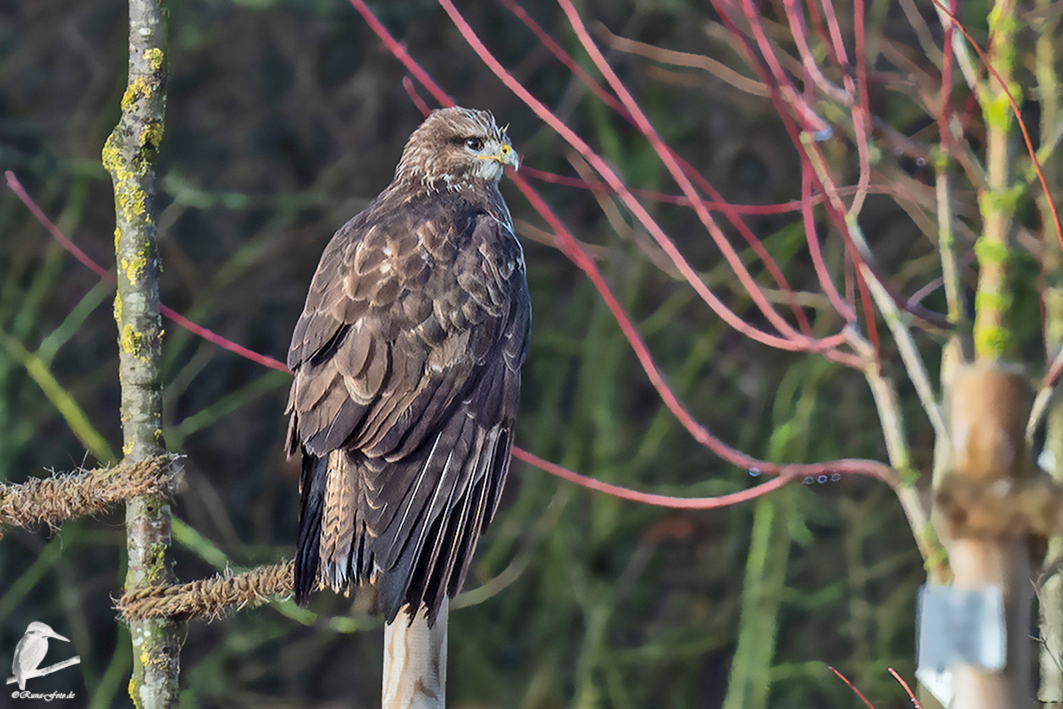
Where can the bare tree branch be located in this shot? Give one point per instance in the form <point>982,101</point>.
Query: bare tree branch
<point>129,156</point>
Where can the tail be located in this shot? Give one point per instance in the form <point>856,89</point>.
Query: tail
<point>307,555</point>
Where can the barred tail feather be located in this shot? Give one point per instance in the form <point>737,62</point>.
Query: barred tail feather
<point>339,521</point>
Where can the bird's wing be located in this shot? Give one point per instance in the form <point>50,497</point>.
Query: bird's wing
<point>28,654</point>
<point>407,357</point>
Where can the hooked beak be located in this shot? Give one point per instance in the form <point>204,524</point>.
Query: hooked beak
<point>506,155</point>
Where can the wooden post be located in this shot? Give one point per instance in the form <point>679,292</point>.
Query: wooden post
<point>988,409</point>
<point>415,661</point>
<point>978,563</point>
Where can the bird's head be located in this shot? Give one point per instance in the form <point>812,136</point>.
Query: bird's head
<point>42,630</point>
<point>457,146</point>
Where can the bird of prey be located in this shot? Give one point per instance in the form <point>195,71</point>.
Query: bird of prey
<point>30,650</point>
<point>407,361</point>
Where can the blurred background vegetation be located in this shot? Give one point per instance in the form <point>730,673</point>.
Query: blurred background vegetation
<point>284,119</point>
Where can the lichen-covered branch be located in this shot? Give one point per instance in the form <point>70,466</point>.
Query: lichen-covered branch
<point>997,202</point>
<point>129,156</point>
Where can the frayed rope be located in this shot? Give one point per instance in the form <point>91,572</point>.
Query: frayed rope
<point>66,496</point>
<point>208,598</point>
<point>61,497</point>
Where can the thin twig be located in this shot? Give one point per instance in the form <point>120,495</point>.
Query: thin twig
<point>891,313</point>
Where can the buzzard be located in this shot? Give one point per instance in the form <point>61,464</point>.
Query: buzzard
<point>407,362</point>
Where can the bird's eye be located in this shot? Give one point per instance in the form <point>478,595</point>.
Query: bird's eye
<point>474,144</point>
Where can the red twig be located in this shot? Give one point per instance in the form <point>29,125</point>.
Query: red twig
<point>667,158</point>
<point>845,466</point>
<point>812,122</point>
<point>554,48</point>
<point>680,200</point>
<point>849,684</point>
<point>821,31</point>
<point>675,503</point>
<point>66,243</point>
<point>732,212</point>
<point>915,702</point>
<point>796,18</point>
<point>222,342</point>
<point>571,248</point>
<point>840,305</point>
<point>861,111</point>
<point>698,431</point>
<point>411,91</point>
<point>103,273</point>
<point>783,108</point>
<point>793,341</point>
<point>838,44</point>
<point>1017,113</point>
<point>869,313</point>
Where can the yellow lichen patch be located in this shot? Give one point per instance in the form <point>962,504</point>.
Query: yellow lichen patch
<point>127,448</point>
<point>117,308</point>
<point>132,341</point>
<point>151,134</point>
<point>154,57</point>
<point>110,157</point>
<point>129,198</point>
<point>133,268</point>
<point>137,87</point>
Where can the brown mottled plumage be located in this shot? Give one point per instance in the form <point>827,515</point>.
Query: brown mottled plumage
<point>407,372</point>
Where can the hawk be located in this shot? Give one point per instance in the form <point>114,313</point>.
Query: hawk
<point>407,361</point>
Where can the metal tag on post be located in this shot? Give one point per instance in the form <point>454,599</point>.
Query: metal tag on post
<point>961,626</point>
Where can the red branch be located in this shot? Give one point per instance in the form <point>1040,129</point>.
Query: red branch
<point>915,702</point>
<point>861,467</point>
<point>667,157</point>
<point>103,273</point>
<point>1017,113</point>
<point>675,503</point>
<point>849,684</point>
<point>792,341</point>
<point>732,212</point>
<point>571,248</point>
